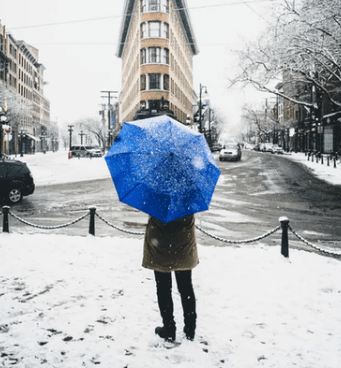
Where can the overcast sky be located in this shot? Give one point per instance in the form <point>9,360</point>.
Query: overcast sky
<point>77,41</point>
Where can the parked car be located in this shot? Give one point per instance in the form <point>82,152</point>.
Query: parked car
<point>16,180</point>
<point>266,147</point>
<point>216,147</point>
<point>277,149</point>
<point>86,151</point>
<point>230,152</point>
<point>256,147</point>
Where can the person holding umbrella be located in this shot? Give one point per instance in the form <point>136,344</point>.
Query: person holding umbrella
<point>166,170</point>
<point>172,247</point>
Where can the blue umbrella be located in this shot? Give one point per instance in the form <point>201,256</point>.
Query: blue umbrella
<point>162,168</point>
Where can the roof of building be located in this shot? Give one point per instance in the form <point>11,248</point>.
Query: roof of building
<point>181,6</point>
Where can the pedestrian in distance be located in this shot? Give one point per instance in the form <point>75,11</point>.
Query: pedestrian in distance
<point>168,248</point>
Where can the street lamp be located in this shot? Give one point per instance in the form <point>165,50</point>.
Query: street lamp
<point>70,131</point>
<point>43,138</point>
<point>3,118</point>
<point>200,107</point>
<point>188,120</point>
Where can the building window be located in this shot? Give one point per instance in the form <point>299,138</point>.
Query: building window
<point>143,30</point>
<point>165,56</point>
<point>165,30</point>
<point>143,6</point>
<point>165,6</point>
<point>154,81</point>
<point>154,5</point>
<point>143,56</point>
<point>154,55</point>
<point>143,82</point>
<point>166,82</point>
<point>154,29</point>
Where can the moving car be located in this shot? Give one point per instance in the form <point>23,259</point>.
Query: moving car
<point>230,152</point>
<point>86,151</point>
<point>16,180</point>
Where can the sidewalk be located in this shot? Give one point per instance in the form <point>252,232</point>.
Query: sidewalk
<point>327,173</point>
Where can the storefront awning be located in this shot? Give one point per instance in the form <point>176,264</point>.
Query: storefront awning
<point>33,137</point>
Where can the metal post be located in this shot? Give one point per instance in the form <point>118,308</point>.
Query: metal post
<point>92,220</point>
<point>285,241</point>
<point>5,226</point>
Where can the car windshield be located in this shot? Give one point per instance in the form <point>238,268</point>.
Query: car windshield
<point>229,146</point>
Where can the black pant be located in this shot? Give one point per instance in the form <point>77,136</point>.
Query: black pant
<point>165,301</point>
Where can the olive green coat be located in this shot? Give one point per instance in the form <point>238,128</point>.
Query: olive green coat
<point>170,247</point>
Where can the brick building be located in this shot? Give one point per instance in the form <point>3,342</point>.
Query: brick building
<point>157,45</point>
<point>22,77</point>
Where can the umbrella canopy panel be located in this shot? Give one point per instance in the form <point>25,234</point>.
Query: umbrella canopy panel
<point>163,168</point>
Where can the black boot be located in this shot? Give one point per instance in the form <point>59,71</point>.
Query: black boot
<point>166,333</point>
<point>189,332</point>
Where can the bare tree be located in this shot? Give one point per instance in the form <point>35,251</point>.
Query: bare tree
<point>303,42</point>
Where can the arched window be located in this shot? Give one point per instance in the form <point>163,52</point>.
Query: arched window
<point>143,30</point>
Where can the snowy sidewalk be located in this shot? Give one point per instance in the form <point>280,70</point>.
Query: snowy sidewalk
<point>327,173</point>
<point>71,302</point>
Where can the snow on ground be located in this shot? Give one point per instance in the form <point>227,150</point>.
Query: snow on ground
<point>78,302</point>
<point>84,301</point>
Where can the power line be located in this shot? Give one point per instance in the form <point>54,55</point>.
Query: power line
<point>119,16</point>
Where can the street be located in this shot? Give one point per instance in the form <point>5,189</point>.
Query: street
<point>250,197</point>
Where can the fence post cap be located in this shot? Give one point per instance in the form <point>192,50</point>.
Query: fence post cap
<point>5,208</point>
<point>283,219</point>
<point>92,208</point>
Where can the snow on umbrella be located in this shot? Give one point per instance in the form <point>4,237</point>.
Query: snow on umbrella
<point>162,168</point>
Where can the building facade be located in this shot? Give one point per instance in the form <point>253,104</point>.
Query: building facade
<point>22,84</point>
<point>157,46</point>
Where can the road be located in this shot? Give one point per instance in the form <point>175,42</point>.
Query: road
<point>250,197</point>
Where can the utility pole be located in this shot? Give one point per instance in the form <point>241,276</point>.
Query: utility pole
<point>109,97</point>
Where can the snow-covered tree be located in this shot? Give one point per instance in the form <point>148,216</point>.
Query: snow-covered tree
<point>17,108</point>
<point>301,47</point>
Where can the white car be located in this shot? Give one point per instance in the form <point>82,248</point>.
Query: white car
<point>277,149</point>
<point>230,152</point>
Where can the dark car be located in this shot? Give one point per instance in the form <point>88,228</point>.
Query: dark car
<point>16,180</point>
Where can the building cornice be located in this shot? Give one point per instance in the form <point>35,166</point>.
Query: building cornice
<point>180,6</point>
